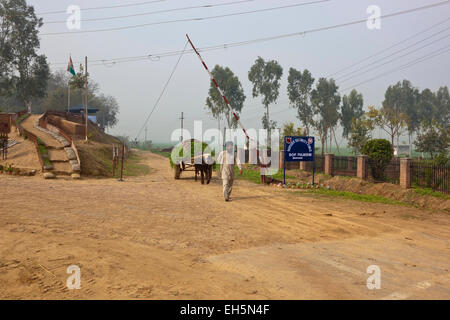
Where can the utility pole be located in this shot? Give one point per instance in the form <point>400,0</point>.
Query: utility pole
<point>86,97</point>
<point>145,135</point>
<point>182,118</point>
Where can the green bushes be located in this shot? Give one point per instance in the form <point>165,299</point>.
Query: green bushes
<point>44,152</point>
<point>441,160</point>
<point>379,152</point>
<point>20,119</point>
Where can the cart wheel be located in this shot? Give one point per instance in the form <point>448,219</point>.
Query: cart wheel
<point>177,171</point>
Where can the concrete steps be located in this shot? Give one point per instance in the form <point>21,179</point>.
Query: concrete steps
<point>62,157</point>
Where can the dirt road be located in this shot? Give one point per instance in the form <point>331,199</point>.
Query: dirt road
<point>153,237</point>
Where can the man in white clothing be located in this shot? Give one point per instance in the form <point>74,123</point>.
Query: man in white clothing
<point>227,159</point>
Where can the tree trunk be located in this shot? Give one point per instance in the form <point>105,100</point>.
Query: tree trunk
<point>335,140</point>
<point>321,141</point>
<point>409,142</point>
<point>331,141</point>
<point>392,141</point>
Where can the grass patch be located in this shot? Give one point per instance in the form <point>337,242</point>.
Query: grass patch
<point>253,174</point>
<point>352,196</point>
<point>161,153</point>
<point>44,152</point>
<point>431,192</point>
<point>20,119</point>
<point>132,166</point>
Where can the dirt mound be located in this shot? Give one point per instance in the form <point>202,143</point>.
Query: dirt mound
<point>388,190</point>
<point>95,158</point>
<point>96,154</point>
<point>97,135</point>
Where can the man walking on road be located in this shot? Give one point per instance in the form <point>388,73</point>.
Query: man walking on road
<point>227,159</point>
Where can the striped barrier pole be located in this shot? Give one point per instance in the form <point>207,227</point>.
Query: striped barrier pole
<point>218,88</point>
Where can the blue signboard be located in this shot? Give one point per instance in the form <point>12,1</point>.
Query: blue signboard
<point>298,149</point>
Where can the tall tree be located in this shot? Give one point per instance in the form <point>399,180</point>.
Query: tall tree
<point>57,96</point>
<point>360,133</point>
<point>442,107</point>
<point>57,92</point>
<point>325,100</point>
<point>426,106</point>
<point>299,92</point>
<point>7,25</point>
<point>20,28</point>
<point>352,108</point>
<point>265,77</point>
<point>390,120</point>
<point>232,88</point>
<point>433,139</point>
<point>400,103</point>
<point>108,110</point>
<point>32,80</point>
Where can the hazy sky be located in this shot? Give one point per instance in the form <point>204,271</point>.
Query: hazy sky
<point>137,85</point>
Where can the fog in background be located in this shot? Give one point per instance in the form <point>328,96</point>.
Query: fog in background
<point>137,85</point>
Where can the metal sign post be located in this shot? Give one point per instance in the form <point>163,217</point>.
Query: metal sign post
<point>284,168</point>
<point>298,149</point>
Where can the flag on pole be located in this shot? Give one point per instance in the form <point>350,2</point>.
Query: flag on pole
<point>70,67</point>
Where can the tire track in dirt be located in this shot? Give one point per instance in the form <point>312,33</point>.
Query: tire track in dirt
<point>160,238</point>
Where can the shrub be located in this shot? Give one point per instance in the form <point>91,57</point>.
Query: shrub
<point>379,152</point>
<point>441,160</point>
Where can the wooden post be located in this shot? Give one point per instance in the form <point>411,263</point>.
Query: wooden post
<point>113,160</point>
<point>121,165</point>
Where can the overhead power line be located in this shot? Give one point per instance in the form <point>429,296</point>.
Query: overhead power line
<point>185,20</point>
<point>163,90</point>
<point>349,76</point>
<point>156,12</point>
<point>405,66</point>
<point>388,48</point>
<point>253,41</point>
<point>105,7</point>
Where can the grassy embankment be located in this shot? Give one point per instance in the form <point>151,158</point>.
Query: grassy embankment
<point>133,166</point>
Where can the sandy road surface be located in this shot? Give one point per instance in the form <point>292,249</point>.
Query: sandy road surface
<point>157,238</point>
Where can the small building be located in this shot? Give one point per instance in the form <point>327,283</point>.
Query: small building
<point>92,112</point>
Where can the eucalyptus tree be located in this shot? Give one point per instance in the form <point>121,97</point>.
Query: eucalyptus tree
<point>325,102</point>
<point>232,88</point>
<point>21,67</point>
<point>299,92</point>
<point>352,108</point>
<point>265,77</point>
